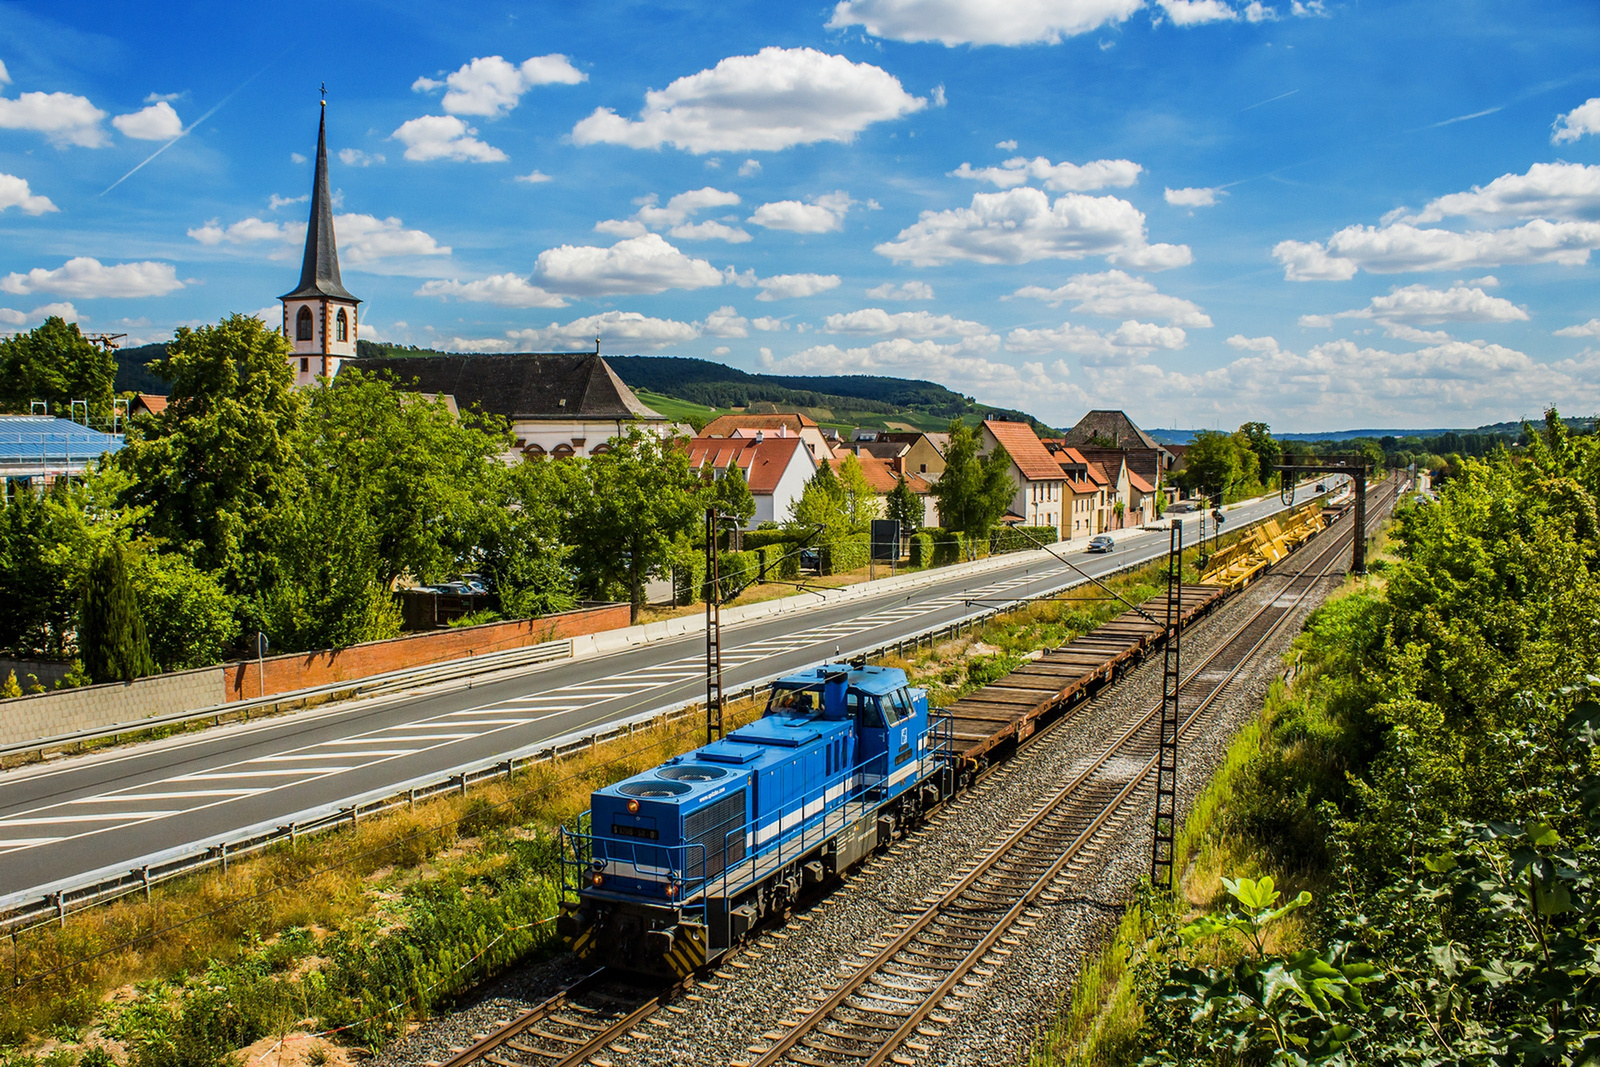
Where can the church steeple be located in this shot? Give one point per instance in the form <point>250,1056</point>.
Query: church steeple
<point>319,315</point>
<point>319,270</point>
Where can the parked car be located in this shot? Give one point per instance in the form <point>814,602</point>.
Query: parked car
<point>1102,543</point>
<point>1183,507</point>
<point>458,589</point>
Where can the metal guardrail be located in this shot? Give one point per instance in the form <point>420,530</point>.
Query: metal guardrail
<point>56,906</point>
<point>545,652</point>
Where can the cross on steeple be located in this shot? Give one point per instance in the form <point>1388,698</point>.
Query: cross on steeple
<point>324,94</point>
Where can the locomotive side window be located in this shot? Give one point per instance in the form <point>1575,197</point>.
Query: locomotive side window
<point>866,709</point>
<point>898,705</point>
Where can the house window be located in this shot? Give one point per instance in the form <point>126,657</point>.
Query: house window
<point>305,364</point>
<point>924,468</point>
<point>302,325</point>
<point>341,327</point>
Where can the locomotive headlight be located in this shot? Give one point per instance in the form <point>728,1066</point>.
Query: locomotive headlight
<point>596,879</point>
<point>633,807</point>
<point>672,890</point>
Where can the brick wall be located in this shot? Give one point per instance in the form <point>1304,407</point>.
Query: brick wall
<point>304,670</point>
<point>91,707</point>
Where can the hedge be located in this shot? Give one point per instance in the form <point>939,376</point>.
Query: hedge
<point>922,550</point>
<point>768,538</point>
<point>843,554</point>
<point>949,546</point>
<point>1017,539</point>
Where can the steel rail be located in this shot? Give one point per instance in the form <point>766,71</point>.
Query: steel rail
<point>856,984</point>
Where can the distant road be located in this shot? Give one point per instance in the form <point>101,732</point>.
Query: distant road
<point>107,813</point>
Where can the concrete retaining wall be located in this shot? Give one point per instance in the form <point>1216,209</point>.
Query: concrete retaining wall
<point>94,706</point>
<point>48,672</point>
<point>303,670</point>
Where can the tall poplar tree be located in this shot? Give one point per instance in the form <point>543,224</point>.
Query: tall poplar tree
<point>111,634</point>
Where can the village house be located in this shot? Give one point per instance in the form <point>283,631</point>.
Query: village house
<point>777,467</point>
<point>920,453</point>
<point>780,423</point>
<point>1041,483</point>
<point>884,476</point>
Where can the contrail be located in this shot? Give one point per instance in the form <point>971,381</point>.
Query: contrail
<point>190,127</point>
<point>1280,96</point>
<point>1464,118</point>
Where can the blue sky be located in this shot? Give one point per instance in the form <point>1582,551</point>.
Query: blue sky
<point>1321,215</point>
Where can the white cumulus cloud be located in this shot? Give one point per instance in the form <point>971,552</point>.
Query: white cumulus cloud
<point>158,122</point>
<point>1193,197</point>
<point>1197,12</point>
<point>1115,294</point>
<point>355,157</point>
<point>726,322</point>
<point>61,309</point>
<point>492,85</point>
<point>769,324</point>
<point>775,99</point>
<point>1058,177</point>
<point>1418,305</point>
<point>876,322</point>
<point>821,215</point>
<point>63,118</point>
<point>14,192</point>
<point>363,239</point>
<point>1585,118</point>
<point>1402,247</point>
<point>958,22</point>
<point>636,265</point>
<point>903,291</point>
<point>501,290</point>
<point>1565,191</point>
<point>674,216</point>
<point>1587,329</point>
<point>615,327</point>
<point>537,177</point>
<point>1132,338</point>
<point>87,279</point>
<point>1022,225</point>
<point>445,137</point>
<point>790,286</point>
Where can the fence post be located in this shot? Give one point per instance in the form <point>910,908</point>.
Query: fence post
<point>144,875</point>
<point>61,908</point>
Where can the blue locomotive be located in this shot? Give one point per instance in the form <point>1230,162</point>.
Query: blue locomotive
<point>670,868</point>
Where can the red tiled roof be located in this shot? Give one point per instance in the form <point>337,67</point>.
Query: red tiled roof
<point>763,462</point>
<point>154,403</point>
<point>1022,444</point>
<point>1139,483</point>
<point>883,478</point>
<point>724,425</point>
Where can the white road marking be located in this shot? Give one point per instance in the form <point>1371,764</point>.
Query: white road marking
<point>99,816</point>
<point>223,776</point>
<point>184,795</point>
<point>294,757</point>
<point>407,737</point>
<point>26,842</point>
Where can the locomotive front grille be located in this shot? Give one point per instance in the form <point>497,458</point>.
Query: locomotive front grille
<point>718,827</point>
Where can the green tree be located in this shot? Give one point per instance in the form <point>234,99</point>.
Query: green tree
<point>191,620</point>
<point>214,468</point>
<point>523,548</point>
<point>56,363</point>
<point>1215,463</point>
<point>822,503</point>
<point>973,492</point>
<point>904,506</point>
<point>732,496</point>
<point>859,502</point>
<point>1268,451</point>
<point>111,634</point>
<point>629,505</point>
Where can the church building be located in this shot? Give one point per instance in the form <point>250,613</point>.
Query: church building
<point>319,315</point>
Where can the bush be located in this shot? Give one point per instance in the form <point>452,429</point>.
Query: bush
<point>844,554</point>
<point>689,578</point>
<point>735,570</point>
<point>949,547</point>
<point>922,550</point>
<point>1022,538</point>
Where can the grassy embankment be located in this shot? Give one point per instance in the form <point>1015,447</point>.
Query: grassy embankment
<point>362,930</point>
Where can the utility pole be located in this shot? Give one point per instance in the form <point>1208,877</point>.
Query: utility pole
<point>1163,841</point>
<point>713,594</point>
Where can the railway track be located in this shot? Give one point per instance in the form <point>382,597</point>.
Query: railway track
<point>599,1012</point>
<point>893,998</point>
<point>960,936</point>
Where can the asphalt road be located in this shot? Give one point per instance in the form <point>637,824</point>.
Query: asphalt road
<point>68,823</point>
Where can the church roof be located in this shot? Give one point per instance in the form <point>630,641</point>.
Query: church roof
<point>319,271</point>
<point>524,385</point>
